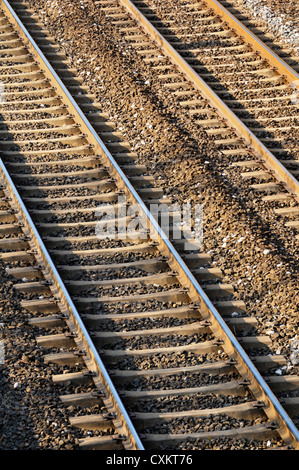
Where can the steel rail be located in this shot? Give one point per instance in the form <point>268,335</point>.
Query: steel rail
<point>67,98</point>
<point>264,155</point>
<point>46,260</point>
<point>256,383</point>
<point>291,75</point>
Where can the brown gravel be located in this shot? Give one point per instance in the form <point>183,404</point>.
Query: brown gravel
<point>31,413</point>
<point>251,245</point>
<point>256,252</point>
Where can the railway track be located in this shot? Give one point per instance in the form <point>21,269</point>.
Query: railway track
<point>248,93</point>
<point>271,24</point>
<point>172,357</point>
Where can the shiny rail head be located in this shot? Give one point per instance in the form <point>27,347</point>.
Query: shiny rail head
<point>267,53</point>
<point>182,267</point>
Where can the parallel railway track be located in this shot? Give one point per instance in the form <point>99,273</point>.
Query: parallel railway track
<point>199,39</point>
<point>137,301</point>
<point>270,25</point>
